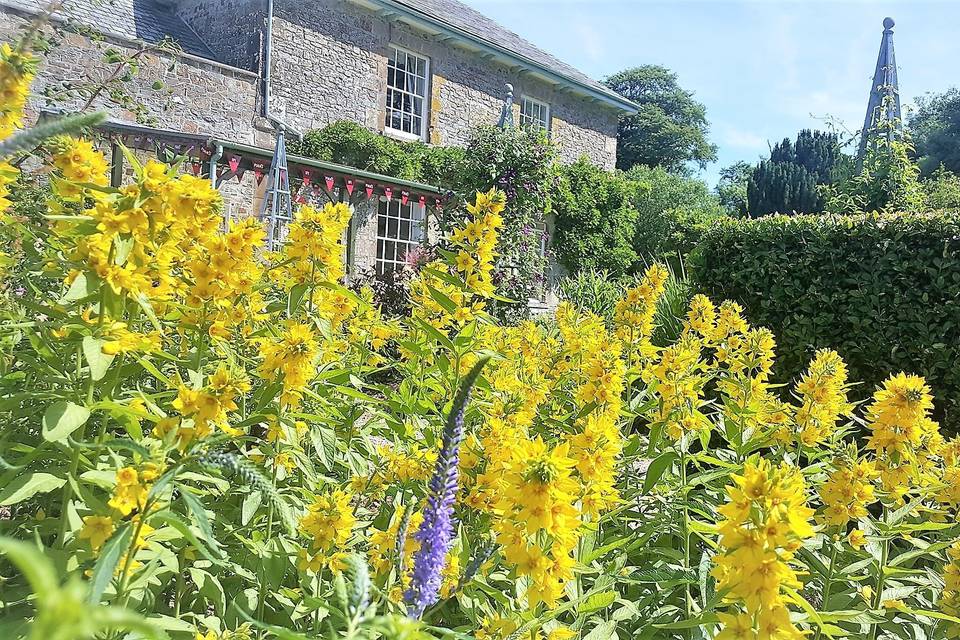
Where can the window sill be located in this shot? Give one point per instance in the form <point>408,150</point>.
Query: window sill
<point>402,135</point>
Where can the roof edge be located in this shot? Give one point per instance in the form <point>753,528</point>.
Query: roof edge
<point>611,99</point>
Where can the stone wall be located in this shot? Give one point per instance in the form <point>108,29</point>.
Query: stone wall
<point>184,93</point>
<point>330,63</point>
<point>233,29</point>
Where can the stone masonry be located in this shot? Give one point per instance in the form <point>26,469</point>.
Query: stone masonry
<point>182,93</point>
<point>330,63</point>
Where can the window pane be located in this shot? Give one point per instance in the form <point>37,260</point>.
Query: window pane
<point>406,91</point>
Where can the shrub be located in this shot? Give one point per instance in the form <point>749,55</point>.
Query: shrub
<point>943,190</point>
<point>593,291</point>
<point>212,442</point>
<point>518,162</point>
<point>883,290</point>
<point>350,144</point>
<point>673,211</point>
<point>594,219</point>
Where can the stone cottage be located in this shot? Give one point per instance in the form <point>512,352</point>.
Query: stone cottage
<point>425,70</point>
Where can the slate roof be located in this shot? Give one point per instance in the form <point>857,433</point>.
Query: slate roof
<point>145,20</point>
<point>463,18</point>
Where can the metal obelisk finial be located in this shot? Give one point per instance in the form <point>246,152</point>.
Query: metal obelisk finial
<point>884,105</point>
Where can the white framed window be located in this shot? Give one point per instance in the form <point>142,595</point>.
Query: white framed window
<point>399,230</point>
<point>534,113</point>
<point>407,79</point>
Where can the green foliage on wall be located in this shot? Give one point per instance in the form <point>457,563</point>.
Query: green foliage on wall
<point>883,290</point>
<point>350,144</point>
<point>520,162</point>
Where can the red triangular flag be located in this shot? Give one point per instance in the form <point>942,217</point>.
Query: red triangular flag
<point>350,187</point>
<point>369,189</point>
<point>387,191</point>
<point>329,181</point>
<point>196,168</point>
<point>423,201</point>
<point>299,199</point>
<point>234,162</point>
<point>404,197</point>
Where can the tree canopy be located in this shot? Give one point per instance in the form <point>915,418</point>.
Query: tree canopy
<point>732,187</point>
<point>935,126</point>
<point>670,128</point>
<point>787,182</point>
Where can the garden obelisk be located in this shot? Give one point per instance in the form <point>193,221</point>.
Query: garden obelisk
<point>884,104</point>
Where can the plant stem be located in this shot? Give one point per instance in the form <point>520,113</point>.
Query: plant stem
<point>74,466</point>
<point>178,594</point>
<point>828,583</point>
<point>263,582</point>
<point>128,561</point>
<point>881,579</point>
<point>688,602</point>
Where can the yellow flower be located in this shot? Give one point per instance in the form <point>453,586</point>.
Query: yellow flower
<point>765,521</point>
<point>126,476</point>
<point>857,539</point>
<point>329,521</point>
<point>97,530</point>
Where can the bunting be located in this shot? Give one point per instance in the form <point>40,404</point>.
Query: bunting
<point>259,170</point>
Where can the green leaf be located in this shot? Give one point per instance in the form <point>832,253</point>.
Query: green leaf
<point>598,601</point>
<point>441,298</point>
<point>98,361</point>
<point>27,139</point>
<point>106,566</point>
<point>28,485</point>
<point>249,507</point>
<point>80,288</point>
<point>199,515</point>
<point>172,519</point>
<point>63,418</point>
<point>36,568</point>
<point>603,631</point>
<point>706,618</point>
<point>657,469</point>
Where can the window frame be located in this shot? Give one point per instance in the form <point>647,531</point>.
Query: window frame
<point>544,106</point>
<point>392,51</point>
<point>417,219</point>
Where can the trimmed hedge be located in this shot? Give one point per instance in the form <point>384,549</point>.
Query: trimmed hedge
<point>883,290</point>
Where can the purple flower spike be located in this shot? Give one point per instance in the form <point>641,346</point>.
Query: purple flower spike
<point>436,532</point>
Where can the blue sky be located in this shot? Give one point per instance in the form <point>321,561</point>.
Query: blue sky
<point>764,68</point>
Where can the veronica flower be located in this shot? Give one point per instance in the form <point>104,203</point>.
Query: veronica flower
<point>436,532</point>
